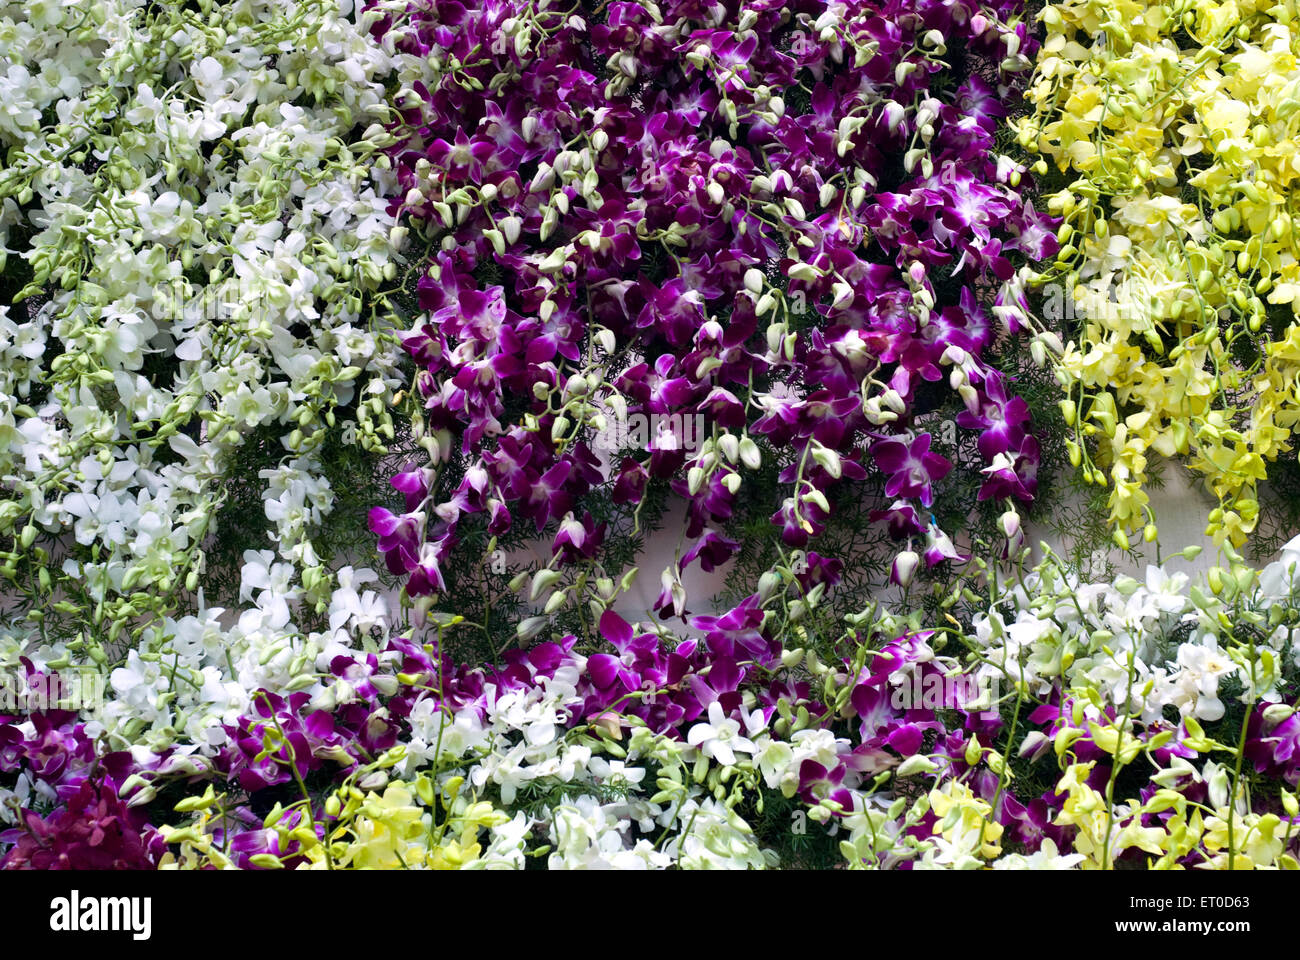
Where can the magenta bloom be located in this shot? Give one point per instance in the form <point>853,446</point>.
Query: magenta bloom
<point>911,467</point>
<point>1274,748</point>
<point>1000,420</point>
<point>95,831</point>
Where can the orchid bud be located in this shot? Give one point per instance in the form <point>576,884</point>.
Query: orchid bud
<point>1275,713</point>
<point>558,428</point>
<point>694,480</point>
<point>145,795</point>
<point>543,580</point>
<point>544,178</point>
<point>917,763</point>
<point>894,112</point>
<point>1037,353</point>
<point>531,627</point>
<point>1218,788</point>
<point>828,459</point>
<point>374,780</point>
<point>818,499</point>
<point>904,568</point>
<point>1214,577</point>
<point>875,415</point>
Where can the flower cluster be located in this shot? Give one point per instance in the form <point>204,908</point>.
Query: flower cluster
<point>919,749</point>
<point>1175,126</point>
<point>642,758</point>
<point>193,242</point>
<point>693,213</point>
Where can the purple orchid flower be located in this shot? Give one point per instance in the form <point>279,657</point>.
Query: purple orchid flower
<point>912,468</point>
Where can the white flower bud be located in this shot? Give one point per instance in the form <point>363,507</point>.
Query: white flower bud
<point>894,400</point>
<point>917,763</point>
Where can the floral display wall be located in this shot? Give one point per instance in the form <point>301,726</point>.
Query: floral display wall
<point>564,435</point>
